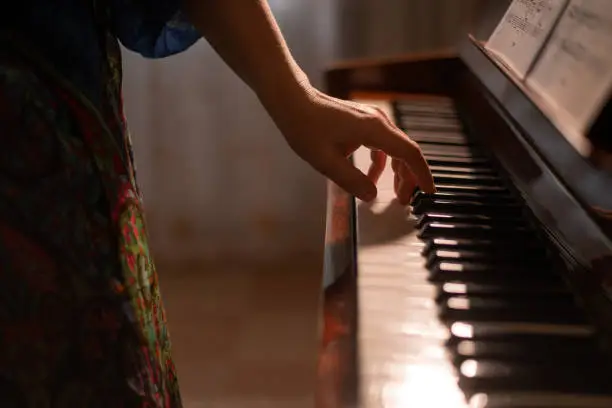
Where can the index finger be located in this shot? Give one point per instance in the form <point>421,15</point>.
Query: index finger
<point>396,144</point>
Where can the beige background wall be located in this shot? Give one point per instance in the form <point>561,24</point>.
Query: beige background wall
<point>218,179</point>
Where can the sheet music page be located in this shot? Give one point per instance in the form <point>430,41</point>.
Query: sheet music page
<point>523,31</point>
<point>574,71</point>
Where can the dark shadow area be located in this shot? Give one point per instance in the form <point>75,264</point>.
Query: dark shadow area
<point>382,227</point>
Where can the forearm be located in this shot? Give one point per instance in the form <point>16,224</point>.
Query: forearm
<point>245,34</point>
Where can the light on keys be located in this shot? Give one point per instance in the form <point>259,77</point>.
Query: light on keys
<point>443,215</point>
<point>442,241</point>
<point>469,368</point>
<point>423,386</point>
<point>455,267</point>
<point>455,288</point>
<point>466,348</point>
<point>459,303</point>
<point>479,401</point>
<point>441,225</point>
<point>448,254</point>
<point>539,400</point>
<point>462,330</point>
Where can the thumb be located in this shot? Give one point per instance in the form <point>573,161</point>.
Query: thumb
<point>341,171</point>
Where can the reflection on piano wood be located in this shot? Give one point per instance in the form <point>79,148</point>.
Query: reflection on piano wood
<point>491,293</point>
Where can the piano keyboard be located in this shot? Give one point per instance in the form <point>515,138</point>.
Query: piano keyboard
<point>459,303</point>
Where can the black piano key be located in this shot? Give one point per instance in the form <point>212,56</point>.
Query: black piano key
<point>454,218</point>
<point>419,112</point>
<point>425,119</point>
<point>457,188</point>
<point>427,124</point>
<point>466,207</point>
<point>447,192</point>
<point>516,331</point>
<point>428,112</point>
<point>470,179</point>
<point>506,258</point>
<point>421,197</point>
<point>504,290</point>
<point>421,115</point>
<point>525,248</point>
<point>555,309</point>
<point>467,170</point>
<point>442,103</point>
<point>453,230</point>
<point>425,110</point>
<point>435,160</point>
<point>435,108</point>
<point>491,375</point>
<point>542,399</point>
<point>409,126</point>
<point>435,151</point>
<point>537,349</point>
<point>429,149</point>
<point>434,113</point>
<point>448,139</point>
<point>482,273</point>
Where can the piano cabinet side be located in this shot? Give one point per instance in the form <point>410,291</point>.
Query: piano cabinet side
<point>337,359</point>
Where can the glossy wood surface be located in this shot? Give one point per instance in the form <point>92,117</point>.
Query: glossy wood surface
<point>524,142</point>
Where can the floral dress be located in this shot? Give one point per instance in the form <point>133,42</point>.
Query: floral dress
<point>81,320</point>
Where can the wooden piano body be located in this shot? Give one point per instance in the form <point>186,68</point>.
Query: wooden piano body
<point>567,197</point>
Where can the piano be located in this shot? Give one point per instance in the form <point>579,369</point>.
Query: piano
<point>496,291</point>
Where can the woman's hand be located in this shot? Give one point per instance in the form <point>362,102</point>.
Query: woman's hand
<point>325,131</point>
<point>322,130</point>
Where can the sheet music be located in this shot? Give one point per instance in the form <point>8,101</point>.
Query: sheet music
<point>574,72</point>
<point>523,31</point>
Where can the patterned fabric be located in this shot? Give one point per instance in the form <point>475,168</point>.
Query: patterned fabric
<point>153,29</point>
<point>81,320</point>
<point>65,34</point>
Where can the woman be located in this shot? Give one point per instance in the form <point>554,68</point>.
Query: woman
<point>81,320</point>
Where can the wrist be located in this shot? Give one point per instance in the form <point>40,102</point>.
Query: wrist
<point>278,92</point>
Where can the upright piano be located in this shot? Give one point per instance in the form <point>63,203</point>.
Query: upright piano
<point>494,292</point>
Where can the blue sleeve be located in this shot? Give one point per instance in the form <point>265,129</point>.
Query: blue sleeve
<point>152,28</point>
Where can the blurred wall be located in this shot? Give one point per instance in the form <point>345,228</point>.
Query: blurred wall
<point>371,28</point>
<point>217,177</point>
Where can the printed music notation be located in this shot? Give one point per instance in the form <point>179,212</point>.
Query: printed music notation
<point>574,71</point>
<point>523,31</point>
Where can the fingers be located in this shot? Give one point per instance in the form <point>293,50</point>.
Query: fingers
<point>396,177</point>
<point>406,182</point>
<point>395,143</point>
<point>379,160</point>
<point>342,172</point>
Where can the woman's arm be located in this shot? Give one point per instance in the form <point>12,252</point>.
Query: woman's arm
<point>246,36</point>
<point>322,130</point>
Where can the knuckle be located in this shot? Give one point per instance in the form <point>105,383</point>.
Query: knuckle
<point>413,147</point>
<point>373,118</point>
<point>381,112</point>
